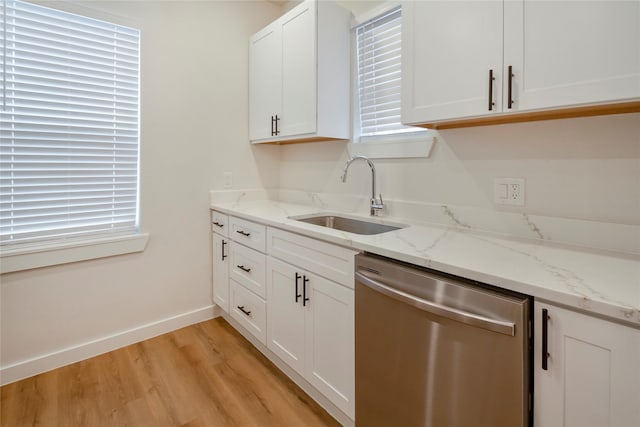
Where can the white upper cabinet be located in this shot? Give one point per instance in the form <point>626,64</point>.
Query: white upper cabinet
<point>299,76</point>
<point>562,55</point>
<point>567,53</point>
<point>265,81</point>
<point>448,50</point>
<point>298,109</point>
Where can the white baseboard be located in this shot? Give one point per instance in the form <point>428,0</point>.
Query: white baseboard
<point>57,359</point>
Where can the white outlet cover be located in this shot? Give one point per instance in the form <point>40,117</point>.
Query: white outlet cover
<point>509,191</point>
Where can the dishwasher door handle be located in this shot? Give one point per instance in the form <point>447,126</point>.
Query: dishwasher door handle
<point>502,327</point>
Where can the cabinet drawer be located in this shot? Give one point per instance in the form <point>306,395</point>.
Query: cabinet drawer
<point>248,233</point>
<point>247,267</point>
<point>331,261</point>
<point>249,310</point>
<point>220,223</point>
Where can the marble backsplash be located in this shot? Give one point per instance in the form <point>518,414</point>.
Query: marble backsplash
<point>619,238</point>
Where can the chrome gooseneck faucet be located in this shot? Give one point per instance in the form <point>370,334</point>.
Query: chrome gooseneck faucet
<point>376,205</point>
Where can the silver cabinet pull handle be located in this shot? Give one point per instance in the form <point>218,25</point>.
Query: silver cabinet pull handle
<point>507,328</point>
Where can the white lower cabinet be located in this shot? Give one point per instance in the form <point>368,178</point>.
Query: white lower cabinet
<point>221,271</point>
<point>249,310</point>
<point>247,267</point>
<point>220,265</point>
<point>239,271</point>
<point>330,341</point>
<point>285,330</point>
<point>592,377</point>
<point>301,309</point>
<point>310,323</point>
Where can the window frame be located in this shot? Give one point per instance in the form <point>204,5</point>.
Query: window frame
<point>44,253</point>
<point>416,144</point>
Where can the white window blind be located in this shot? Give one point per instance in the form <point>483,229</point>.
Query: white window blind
<point>378,44</point>
<point>69,125</point>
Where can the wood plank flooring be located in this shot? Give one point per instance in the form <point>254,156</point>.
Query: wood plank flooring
<point>202,375</point>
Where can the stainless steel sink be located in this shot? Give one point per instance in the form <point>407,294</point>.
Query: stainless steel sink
<point>351,225</point>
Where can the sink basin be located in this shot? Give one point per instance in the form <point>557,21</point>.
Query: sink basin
<point>351,225</point>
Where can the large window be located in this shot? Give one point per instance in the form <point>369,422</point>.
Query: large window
<point>378,79</point>
<point>69,127</point>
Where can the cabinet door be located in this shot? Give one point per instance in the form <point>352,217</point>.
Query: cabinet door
<point>265,81</point>
<point>298,33</point>
<point>593,375</point>
<point>448,50</point>
<point>572,52</point>
<point>330,358</point>
<point>221,271</point>
<point>285,315</point>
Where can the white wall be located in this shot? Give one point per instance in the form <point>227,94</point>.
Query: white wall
<point>194,107</point>
<point>587,168</point>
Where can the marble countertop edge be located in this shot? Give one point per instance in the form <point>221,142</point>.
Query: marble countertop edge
<point>602,284</point>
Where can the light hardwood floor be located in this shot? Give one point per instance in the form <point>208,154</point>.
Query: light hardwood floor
<point>202,375</point>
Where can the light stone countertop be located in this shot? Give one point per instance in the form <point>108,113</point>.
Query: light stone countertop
<point>597,282</point>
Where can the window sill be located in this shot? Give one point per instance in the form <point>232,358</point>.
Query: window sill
<point>394,146</point>
<point>62,253</point>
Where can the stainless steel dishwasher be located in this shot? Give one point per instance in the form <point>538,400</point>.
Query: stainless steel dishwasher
<point>438,351</point>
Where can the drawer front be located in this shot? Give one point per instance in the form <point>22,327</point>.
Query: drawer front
<point>248,267</point>
<point>249,310</point>
<point>331,261</point>
<point>248,233</point>
<point>220,223</point>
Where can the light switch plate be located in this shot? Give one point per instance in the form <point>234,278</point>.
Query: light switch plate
<point>508,191</point>
<point>228,179</point>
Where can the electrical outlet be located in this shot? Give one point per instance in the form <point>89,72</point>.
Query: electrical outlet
<point>228,179</point>
<point>508,191</point>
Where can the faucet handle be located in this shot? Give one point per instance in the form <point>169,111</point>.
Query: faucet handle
<point>376,205</point>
